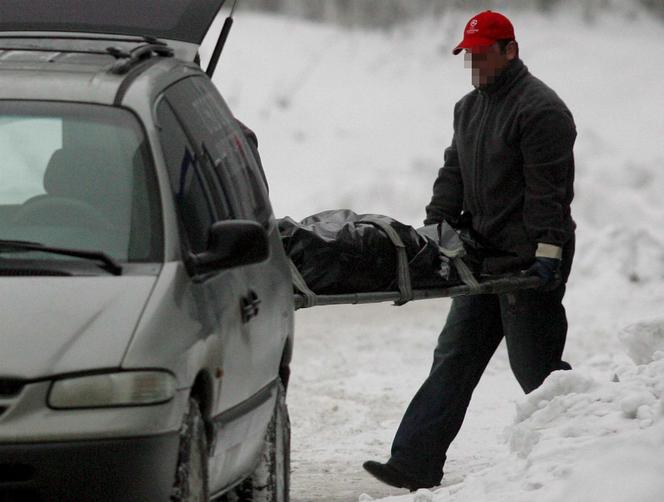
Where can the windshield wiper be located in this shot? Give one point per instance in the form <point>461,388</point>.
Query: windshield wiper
<point>108,263</point>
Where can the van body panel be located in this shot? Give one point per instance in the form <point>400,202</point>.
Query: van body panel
<point>57,325</point>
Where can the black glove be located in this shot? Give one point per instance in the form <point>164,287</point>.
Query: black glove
<point>547,269</point>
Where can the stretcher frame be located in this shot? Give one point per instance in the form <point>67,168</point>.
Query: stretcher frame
<point>487,286</point>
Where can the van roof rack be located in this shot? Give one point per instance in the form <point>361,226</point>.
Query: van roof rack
<point>126,60</point>
<point>146,48</point>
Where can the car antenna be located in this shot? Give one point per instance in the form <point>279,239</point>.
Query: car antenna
<point>225,30</point>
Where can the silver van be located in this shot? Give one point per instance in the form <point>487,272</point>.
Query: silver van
<point>146,307</point>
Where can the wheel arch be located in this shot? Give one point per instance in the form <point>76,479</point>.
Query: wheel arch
<point>202,391</point>
<point>284,365</point>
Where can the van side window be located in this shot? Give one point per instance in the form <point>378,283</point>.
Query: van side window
<point>187,183</point>
<point>207,117</point>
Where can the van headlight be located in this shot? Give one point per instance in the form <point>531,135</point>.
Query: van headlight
<point>127,388</point>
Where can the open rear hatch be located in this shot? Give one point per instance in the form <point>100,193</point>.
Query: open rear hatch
<point>184,22</point>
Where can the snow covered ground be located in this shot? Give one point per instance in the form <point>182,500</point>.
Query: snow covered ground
<point>359,120</point>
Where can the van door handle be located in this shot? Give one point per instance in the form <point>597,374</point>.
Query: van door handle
<point>250,306</point>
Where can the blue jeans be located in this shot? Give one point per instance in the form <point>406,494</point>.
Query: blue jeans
<point>534,325</point>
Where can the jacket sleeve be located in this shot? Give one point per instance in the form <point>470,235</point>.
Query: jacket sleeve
<point>548,163</point>
<point>447,200</point>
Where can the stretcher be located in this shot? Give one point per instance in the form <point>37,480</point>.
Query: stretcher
<point>401,290</point>
<point>488,285</point>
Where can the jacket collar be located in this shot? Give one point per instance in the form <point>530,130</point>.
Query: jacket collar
<point>513,72</point>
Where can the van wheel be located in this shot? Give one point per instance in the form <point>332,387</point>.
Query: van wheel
<point>191,475</point>
<point>270,481</point>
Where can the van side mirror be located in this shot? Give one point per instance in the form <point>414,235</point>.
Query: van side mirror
<point>231,244</point>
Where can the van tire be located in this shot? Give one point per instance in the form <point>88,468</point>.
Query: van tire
<point>191,474</point>
<point>270,481</point>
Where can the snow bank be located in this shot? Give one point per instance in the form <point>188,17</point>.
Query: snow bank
<point>618,471</point>
<point>592,436</point>
<point>571,405</point>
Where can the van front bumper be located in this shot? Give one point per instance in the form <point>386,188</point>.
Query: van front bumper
<point>131,469</point>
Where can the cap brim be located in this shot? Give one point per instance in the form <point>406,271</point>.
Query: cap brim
<point>471,44</point>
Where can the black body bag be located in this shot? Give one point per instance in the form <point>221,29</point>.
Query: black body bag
<point>339,251</point>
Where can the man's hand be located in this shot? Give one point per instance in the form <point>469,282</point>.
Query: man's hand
<point>547,269</point>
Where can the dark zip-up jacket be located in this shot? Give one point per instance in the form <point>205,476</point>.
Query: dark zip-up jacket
<point>510,167</point>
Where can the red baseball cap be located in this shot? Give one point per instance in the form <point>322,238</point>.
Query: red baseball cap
<point>485,29</point>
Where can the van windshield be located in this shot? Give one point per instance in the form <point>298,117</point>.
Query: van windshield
<point>78,176</point>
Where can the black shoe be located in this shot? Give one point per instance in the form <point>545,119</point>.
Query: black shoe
<point>390,475</point>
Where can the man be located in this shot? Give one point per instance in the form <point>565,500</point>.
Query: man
<point>509,173</point>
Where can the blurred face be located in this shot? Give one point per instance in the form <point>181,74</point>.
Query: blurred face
<point>486,63</point>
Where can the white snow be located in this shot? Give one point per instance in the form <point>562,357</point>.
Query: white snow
<point>359,120</point>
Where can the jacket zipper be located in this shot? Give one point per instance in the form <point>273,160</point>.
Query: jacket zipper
<point>480,134</point>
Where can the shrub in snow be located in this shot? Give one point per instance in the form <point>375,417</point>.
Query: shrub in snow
<point>644,341</point>
<point>385,13</point>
